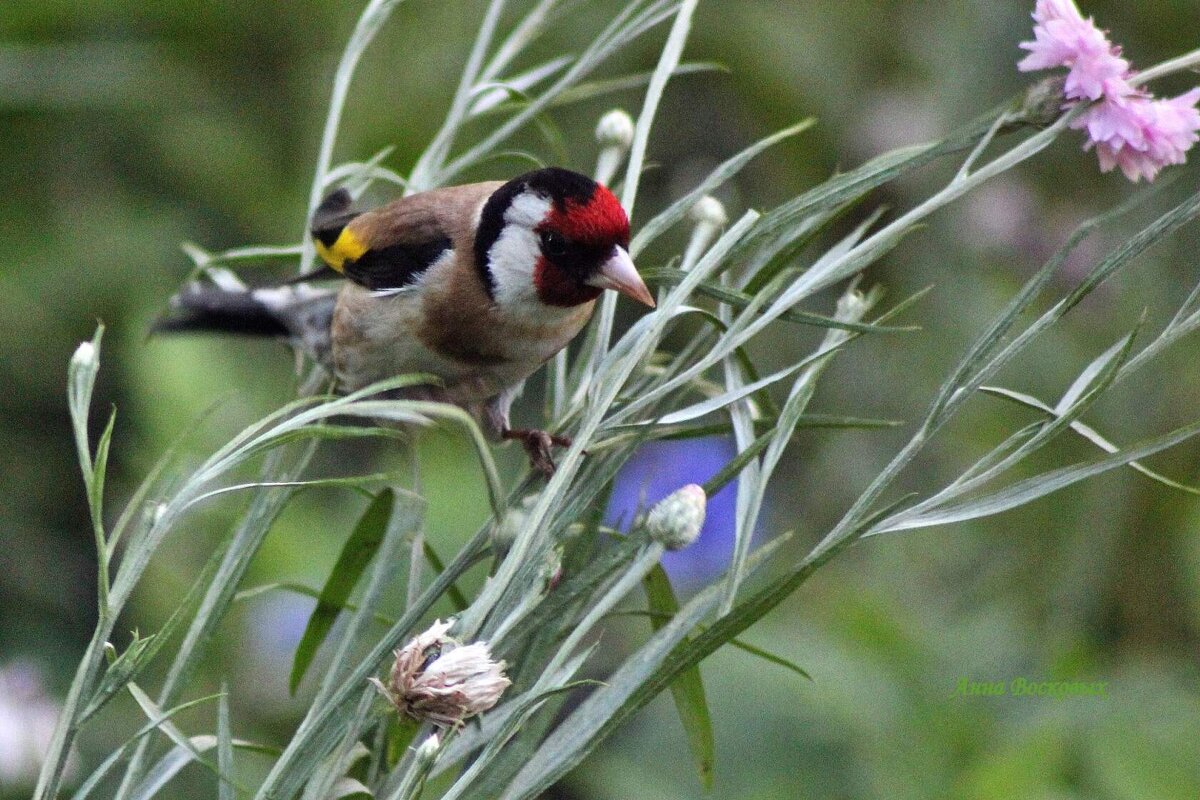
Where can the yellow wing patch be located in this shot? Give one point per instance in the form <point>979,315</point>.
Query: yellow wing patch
<point>347,247</point>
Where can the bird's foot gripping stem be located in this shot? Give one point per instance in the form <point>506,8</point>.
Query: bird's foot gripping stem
<point>537,444</point>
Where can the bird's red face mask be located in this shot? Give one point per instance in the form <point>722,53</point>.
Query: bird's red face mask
<point>584,250</point>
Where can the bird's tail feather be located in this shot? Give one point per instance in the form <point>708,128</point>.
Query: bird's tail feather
<point>208,309</point>
<point>298,313</point>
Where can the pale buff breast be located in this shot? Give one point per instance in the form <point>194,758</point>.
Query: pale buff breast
<point>462,323</point>
<point>373,339</point>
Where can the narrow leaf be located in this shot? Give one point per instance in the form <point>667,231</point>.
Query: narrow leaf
<point>766,655</point>
<point>688,689</point>
<point>741,644</point>
<point>121,671</point>
<point>729,168</point>
<point>183,754</point>
<point>453,592</point>
<point>735,465</point>
<point>638,680</point>
<point>1028,490</point>
<point>102,771</point>
<point>151,710</point>
<point>349,789</point>
<point>1089,433</point>
<point>355,555</point>
<point>301,589</point>
<point>741,300</point>
<point>225,779</point>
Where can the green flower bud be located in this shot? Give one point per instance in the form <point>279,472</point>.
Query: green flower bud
<point>428,750</point>
<point>505,532</point>
<point>84,357</point>
<point>615,134</point>
<point>675,521</point>
<point>709,211</point>
<point>1043,103</point>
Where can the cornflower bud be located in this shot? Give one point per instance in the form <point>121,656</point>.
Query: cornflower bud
<point>1043,102</point>
<point>504,533</point>
<point>428,749</point>
<point>615,129</point>
<point>709,215</point>
<point>614,133</point>
<point>440,680</point>
<point>84,357</point>
<point>852,305</point>
<point>709,211</point>
<point>676,520</point>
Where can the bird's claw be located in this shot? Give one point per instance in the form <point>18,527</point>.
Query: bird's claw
<point>537,444</point>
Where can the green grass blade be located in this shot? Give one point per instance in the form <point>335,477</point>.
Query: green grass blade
<point>766,655</point>
<point>124,668</point>
<point>741,300</point>
<point>851,307</point>
<point>101,771</point>
<point>726,170</point>
<point>369,23</point>
<point>637,681</point>
<point>405,519</point>
<point>181,755</point>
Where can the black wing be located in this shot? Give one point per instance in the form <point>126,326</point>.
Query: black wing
<point>403,240</point>
<point>397,265</point>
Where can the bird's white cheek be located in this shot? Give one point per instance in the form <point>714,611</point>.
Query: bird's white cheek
<point>516,252</point>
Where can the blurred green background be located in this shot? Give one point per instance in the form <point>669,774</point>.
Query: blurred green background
<point>128,127</point>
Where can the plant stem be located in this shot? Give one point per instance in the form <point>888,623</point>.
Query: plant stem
<point>1184,62</point>
<point>369,23</point>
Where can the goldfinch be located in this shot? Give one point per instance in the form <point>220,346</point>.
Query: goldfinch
<point>478,285</point>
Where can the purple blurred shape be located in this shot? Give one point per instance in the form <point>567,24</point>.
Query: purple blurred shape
<point>659,468</point>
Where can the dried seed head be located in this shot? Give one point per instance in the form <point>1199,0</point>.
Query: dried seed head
<point>615,129</point>
<point>676,520</point>
<point>437,679</point>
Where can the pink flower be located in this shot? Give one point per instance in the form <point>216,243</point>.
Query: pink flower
<point>1140,134</point>
<point>1128,127</point>
<point>1063,38</point>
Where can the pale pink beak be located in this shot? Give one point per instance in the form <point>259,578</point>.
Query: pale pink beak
<point>619,274</point>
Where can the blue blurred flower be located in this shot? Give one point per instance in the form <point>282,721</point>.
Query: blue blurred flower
<point>270,632</point>
<point>659,468</point>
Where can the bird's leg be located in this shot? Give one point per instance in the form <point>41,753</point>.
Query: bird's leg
<point>537,444</point>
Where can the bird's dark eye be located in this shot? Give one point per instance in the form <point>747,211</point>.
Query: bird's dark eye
<point>554,245</point>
